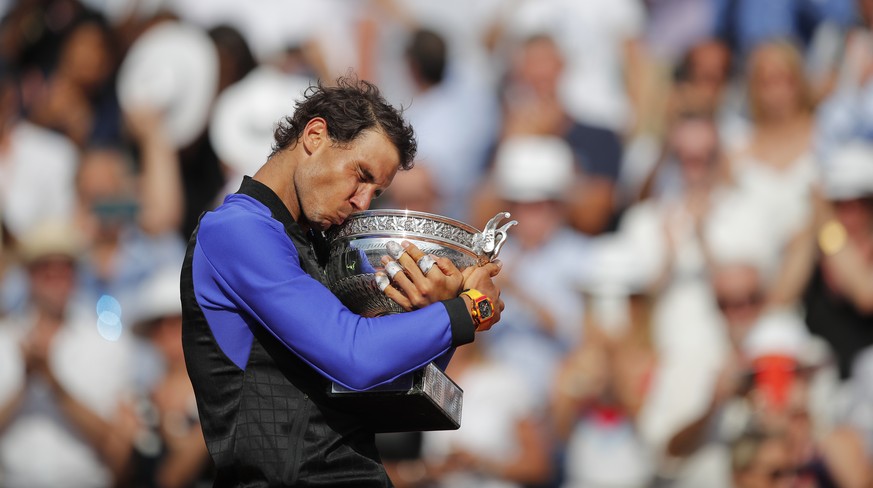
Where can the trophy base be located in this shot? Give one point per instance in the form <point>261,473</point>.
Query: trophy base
<point>423,400</point>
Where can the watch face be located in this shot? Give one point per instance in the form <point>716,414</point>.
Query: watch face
<point>485,310</point>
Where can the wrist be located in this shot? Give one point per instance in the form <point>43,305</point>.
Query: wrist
<point>480,306</point>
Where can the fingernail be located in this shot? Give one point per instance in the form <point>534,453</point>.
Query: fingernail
<point>394,249</point>
<point>385,260</point>
<point>382,281</point>
<point>392,268</point>
<point>498,262</point>
<point>405,244</point>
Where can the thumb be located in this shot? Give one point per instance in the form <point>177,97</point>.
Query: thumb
<point>494,268</point>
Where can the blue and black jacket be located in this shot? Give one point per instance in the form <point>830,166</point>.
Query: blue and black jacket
<point>264,337</point>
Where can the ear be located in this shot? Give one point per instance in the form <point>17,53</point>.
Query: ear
<point>314,135</point>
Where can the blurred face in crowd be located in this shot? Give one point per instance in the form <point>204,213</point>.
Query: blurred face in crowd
<point>539,66</point>
<point>739,295</point>
<point>857,217</point>
<point>52,281</point>
<point>695,145</point>
<point>105,190</point>
<point>710,64</point>
<point>338,180</point>
<point>165,333</point>
<point>86,58</point>
<point>415,190</point>
<point>770,467</point>
<point>537,221</point>
<point>776,83</point>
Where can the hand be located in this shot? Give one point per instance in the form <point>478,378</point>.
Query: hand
<point>412,288</point>
<point>481,278</point>
<point>144,123</point>
<point>35,351</point>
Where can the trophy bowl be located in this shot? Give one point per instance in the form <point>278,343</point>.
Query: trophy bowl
<point>356,249</point>
<point>426,399</point>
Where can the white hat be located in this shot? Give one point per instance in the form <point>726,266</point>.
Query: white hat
<point>849,172</point>
<point>173,67</point>
<point>246,114</point>
<point>533,168</point>
<point>159,296</point>
<point>738,232</point>
<point>616,269</point>
<point>778,332</point>
<point>50,237</point>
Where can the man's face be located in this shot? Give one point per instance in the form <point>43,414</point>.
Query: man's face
<point>339,180</point>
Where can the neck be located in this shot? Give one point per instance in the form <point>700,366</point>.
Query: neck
<point>278,174</point>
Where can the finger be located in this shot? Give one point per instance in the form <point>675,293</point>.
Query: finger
<point>409,261</point>
<point>412,250</point>
<point>447,266</point>
<point>394,249</point>
<point>492,268</point>
<point>426,263</point>
<point>393,268</point>
<point>469,270</point>
<point>384,284</point>
<point>400,277</point>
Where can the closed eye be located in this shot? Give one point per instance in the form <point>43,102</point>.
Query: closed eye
<point>367,177</point>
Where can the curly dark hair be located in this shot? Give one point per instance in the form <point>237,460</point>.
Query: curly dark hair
<point>349,108</point>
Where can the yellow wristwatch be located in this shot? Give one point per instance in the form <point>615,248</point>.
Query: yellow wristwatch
<point>483,309</point>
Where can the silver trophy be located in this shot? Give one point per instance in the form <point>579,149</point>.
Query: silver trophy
<point>426,399</point>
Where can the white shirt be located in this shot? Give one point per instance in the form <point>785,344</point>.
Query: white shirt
<point>495,400</point>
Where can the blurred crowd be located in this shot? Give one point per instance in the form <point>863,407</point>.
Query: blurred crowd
<point>689,290</point>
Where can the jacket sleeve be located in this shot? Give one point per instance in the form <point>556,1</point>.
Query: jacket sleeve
<point>257,267</point>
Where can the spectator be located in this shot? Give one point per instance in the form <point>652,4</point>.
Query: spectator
<point>600,40</point>
<point>502,443</point>
<point>777,165</point>
<point>130,220</point>
<point>173,70</point>
<point>453,153</point>
<point>78,99</point>
<point>602,385</point>
<point>532,176</point>
<point>61,380</point>
<point>665,234</point>
<point>37,167</point>
<point>706,407</point>
<point>839,298</point>
<point>532,107</point>
<point>158,441</point>
<point>846,113</point>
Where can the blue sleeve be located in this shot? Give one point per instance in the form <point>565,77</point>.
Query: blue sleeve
<point>257,267</point>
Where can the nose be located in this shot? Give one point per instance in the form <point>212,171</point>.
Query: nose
<point>361,200</point>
